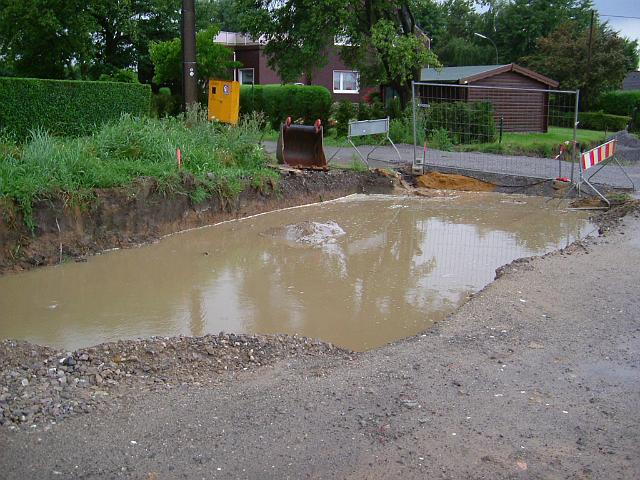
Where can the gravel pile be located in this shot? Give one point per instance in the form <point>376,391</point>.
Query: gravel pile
<point>42,385</point>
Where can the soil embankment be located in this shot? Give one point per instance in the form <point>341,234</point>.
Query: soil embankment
<point>124,217</point>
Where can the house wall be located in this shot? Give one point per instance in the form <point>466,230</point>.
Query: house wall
<point>252,56</point>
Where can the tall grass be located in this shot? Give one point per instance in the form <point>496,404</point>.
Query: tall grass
<point>222,159</point>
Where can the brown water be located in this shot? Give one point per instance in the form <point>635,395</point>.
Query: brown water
<point>370,271</point>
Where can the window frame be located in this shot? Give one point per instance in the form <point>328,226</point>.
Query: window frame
<point>341,89</point>
<point>253,73</point>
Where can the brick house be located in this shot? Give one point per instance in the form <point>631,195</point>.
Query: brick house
<point>340,80</point>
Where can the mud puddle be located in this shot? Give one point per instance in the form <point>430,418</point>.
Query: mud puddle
<point>359,272</point>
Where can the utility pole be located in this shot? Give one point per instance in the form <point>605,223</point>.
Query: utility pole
<point>588,72</point>
<point>189,71</point>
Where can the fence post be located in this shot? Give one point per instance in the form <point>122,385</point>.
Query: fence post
<point>501,128</point>
<point>574,158</point>
<point>415,136</point>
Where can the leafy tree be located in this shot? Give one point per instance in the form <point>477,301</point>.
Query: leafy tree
<point>563,56</point>
<point>41,38</point>
<point>217,12</point>
<point>213,60</point>
<point>384,42</point>
<point>520,23</point>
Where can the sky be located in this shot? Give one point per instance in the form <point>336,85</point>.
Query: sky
<point>627,27</point>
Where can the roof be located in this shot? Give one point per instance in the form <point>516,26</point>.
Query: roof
<point>470,74</point>
<point>631,81</point>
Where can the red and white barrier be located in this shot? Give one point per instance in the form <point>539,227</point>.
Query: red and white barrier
<point>598,155</point>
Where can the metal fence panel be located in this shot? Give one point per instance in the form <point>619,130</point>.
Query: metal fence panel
<point>466,127</point>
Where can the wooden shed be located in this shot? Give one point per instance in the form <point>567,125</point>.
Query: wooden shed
<point>524,110</point>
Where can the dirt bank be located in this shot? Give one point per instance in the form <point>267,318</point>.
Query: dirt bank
<point>118,218</point>
<point>536,377</point>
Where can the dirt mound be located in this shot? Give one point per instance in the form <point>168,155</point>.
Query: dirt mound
<point>451,181</point>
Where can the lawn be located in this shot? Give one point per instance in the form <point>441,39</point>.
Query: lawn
<point>536,144</point>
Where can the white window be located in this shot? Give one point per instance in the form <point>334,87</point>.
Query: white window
<point>245,76</point>
<point>345,81</point>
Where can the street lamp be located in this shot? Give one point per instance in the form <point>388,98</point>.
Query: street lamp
<point>494,45</point>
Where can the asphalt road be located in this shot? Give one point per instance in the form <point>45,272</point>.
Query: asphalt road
<point>484,162</point>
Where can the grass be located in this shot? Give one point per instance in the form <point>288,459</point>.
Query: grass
<point>222,159</point>
<point>536,144</point>
<point>530,144</point>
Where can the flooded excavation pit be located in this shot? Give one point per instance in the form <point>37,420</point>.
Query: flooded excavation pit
<point>358,272</point>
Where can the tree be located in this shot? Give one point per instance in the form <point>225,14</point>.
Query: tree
<point>383,42</point>
<point>214,60</point>
<point>520,23</point>
<point>217,12</point>
<point>45,38</point>
<point>562,55</point>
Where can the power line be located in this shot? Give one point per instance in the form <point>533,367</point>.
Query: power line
<point>618,16</point>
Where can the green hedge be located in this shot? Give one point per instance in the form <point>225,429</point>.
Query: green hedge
<point>618,102</point>
<point>602,121</point>
<point>464,122</point>
<point>277,102</point>
<point>65,107</point>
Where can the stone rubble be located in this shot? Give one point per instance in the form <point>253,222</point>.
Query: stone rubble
<point>40,385</point>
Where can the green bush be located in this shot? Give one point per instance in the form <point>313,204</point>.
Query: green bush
<point>618,102</point>
<point>464,122</point>
<point>364,111</point>
<point>164,104</point>
<point>394,108</point>
<point>439,140</point>
<point>344,114</point>
<point>303,103</point>
<point>602,121</point>
<point>65,107</point>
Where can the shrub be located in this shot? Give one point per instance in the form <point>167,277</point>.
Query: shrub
<point>602,121</point>
<point>364,111</point>
<point>394,108</point>
<point>439,140</point>
<point>67,107</point>
<point>464,122</point>
<point>344,113</point>
<point>164,104</point>
<point>303,103</point>
<point>619,102</point>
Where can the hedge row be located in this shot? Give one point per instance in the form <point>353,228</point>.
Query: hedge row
<point>618,102</point>
<point>277,102</point>
<point>464,122</point>
<point>65,107</point>
<point>602,121</point>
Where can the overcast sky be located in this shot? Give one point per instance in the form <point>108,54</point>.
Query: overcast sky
<point>628,27</point>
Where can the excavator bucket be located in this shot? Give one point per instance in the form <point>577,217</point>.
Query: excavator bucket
<point>301,145</point>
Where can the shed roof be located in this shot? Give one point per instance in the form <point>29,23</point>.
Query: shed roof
<point>473,73</point>
<point>631,81</point>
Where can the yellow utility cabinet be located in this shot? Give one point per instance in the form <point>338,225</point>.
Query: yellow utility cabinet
<point>224,101</point>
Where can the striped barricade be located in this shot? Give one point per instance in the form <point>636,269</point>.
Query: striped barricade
<point>598,155</point>
<point>601,155</point>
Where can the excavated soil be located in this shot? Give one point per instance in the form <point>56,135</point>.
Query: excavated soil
<point>452,181</point>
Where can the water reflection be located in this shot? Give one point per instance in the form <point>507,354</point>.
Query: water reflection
<point>402,264</point>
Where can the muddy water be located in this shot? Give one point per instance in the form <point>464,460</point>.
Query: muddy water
<point>358,272</point>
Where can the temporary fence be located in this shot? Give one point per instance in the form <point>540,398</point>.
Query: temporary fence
<point>466,128</point>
